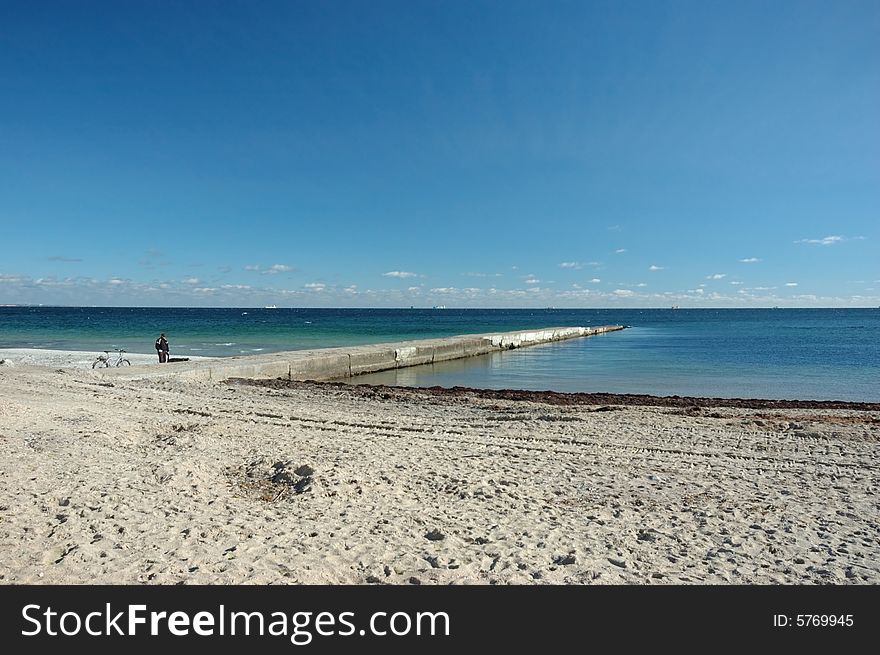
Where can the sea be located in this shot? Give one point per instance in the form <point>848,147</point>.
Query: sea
<point>806,354</point>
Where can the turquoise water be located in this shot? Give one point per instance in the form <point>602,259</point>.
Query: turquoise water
<point>784,353</point>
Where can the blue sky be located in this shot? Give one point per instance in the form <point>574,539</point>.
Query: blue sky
<point>471,154</point>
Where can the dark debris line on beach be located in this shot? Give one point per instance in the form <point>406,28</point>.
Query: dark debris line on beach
<point>560,398</point>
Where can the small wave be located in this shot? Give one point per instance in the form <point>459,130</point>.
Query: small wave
<point>257,349</point>
<point>231,343</point>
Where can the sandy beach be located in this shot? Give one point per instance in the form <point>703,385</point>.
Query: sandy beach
<point>166,482</point>
<point>11,357</point>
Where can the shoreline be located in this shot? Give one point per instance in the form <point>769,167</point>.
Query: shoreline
<point>722,356</point>
<point>76,359</point>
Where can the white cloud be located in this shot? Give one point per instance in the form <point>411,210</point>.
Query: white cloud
<point>274,269</point>
<point>791,284</point>
<point>192,280</point>
<point>736,284</point>
<point>829,240</point>
<point>175,292</point>
<point>532,280</point>
<point>595,280</point>
<point>620,251</point>
<point>825,241</point>
<point>578,265</point>
<point>641,284</point>
<point>400,274</point>
<point>716,276</point>
<point>749,260</point>
<point>653,267</point>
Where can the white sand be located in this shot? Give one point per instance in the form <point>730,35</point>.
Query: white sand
<point>69,358</point>
<point>166,482</point>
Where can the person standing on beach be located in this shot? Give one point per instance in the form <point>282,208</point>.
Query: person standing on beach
<point>162,348</point>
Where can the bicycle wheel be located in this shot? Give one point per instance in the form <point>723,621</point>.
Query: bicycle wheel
<point>123,362</point>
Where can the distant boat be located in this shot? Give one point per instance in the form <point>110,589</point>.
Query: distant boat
<point>674,307</point>
<point>439,307</point>
<point>270,307</point>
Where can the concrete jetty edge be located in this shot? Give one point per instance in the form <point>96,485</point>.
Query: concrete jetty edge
<point>345,362</point>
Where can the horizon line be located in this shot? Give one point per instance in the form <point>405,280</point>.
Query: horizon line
<point>433,308</point>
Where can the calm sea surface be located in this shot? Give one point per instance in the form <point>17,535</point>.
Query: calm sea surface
<point>783,353</point>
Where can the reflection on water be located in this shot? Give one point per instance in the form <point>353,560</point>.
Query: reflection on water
<point>457,369</point>
<point>559,366</point>
<point>648,361</point>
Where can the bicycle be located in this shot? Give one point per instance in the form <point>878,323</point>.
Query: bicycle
<point>104,360</point>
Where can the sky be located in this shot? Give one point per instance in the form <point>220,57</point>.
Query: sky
<point>466,154</point>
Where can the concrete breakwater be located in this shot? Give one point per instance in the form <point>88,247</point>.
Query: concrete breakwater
<point>344,362</point>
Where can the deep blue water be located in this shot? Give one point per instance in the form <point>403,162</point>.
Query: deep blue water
<point>783,353</point>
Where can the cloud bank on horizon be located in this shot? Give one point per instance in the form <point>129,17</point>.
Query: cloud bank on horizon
<point>488,156</point>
